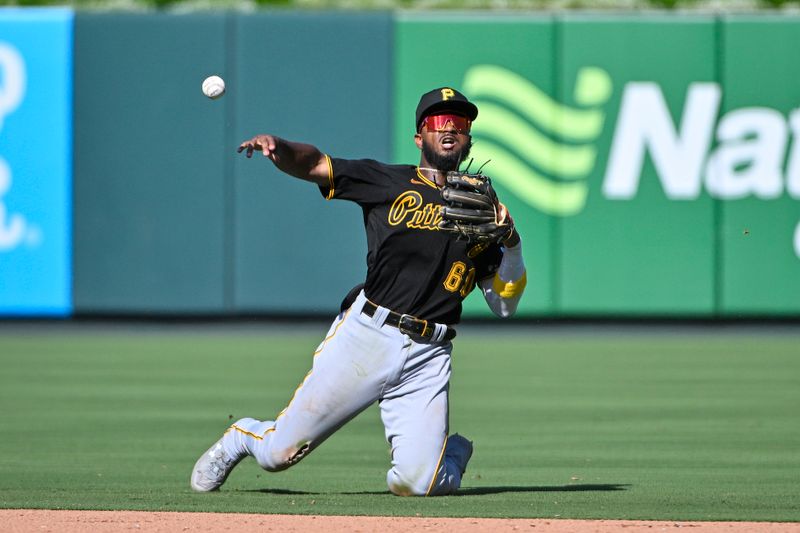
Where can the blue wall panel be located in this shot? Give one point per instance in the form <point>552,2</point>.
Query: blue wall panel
<point>35,161</point>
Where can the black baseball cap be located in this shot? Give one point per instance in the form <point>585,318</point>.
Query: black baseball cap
<point>444,98</point>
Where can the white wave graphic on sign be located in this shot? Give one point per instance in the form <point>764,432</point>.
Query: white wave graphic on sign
<point>541,150</point>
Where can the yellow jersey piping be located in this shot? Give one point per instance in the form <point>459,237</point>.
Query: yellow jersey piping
<point>322,346</point>
<point>426,180</point>
<point>250,433</point>
<point>330,177</point>
<point>283,411</point>
<point>438,465</point>
<point>335,330</point>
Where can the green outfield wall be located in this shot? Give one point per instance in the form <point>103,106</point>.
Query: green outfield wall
<point>168,218</point>
<point>651,162</point>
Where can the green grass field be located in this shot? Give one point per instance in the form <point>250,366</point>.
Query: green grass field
<point>571,423</point>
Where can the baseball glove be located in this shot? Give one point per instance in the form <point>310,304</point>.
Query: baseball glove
<point>471,209</point>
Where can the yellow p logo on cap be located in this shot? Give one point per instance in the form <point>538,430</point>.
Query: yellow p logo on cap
<point>447,94</point>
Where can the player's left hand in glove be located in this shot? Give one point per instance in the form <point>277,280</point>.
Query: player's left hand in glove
<point>471,209</point>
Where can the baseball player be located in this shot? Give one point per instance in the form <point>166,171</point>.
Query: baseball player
<point>391,342</point>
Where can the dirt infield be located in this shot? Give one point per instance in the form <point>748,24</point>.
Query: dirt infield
<point>14,521</point>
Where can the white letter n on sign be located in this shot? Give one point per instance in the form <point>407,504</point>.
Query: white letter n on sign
<point>644,123</point>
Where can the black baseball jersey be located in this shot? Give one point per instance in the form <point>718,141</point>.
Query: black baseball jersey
<point>412,267</point>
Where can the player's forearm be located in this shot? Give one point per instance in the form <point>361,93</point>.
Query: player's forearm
<point>504,290</point>
<point>301,160</point>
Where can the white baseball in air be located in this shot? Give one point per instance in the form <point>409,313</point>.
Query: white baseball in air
<point>213,87</point>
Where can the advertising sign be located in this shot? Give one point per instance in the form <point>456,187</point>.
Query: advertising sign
<point>35,161</point>
<point>651,164</point>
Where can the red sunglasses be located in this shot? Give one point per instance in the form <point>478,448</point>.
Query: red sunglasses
<point>439,123</point>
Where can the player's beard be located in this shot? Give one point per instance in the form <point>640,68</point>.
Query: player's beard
<point>445,161</point>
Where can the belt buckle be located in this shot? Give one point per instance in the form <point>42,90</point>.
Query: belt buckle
<point>401,324</point>
<point>407,322</point>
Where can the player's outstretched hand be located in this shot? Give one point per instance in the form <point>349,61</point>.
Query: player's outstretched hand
<point>265,143</point>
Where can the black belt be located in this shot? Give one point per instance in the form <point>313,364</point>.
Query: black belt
<point>410,325</point>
